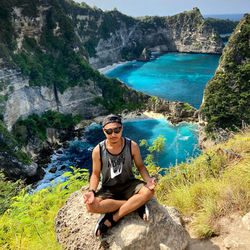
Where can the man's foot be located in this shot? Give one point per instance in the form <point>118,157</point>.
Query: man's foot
<point>104,223</point>
<point>143,212</point>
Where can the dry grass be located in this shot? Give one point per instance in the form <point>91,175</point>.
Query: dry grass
<point>215,184</point>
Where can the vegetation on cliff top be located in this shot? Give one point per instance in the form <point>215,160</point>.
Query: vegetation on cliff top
<point>227,96</point>
<point>222,26</point>
<point>35,126</point>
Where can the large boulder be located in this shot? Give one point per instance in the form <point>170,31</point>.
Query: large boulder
<point>74,228</point>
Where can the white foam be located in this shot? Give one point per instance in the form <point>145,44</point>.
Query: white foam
<point>184,138</point>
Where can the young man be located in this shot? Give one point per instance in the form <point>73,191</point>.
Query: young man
<point>120,193</point>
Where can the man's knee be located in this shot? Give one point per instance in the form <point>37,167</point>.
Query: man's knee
<point>93,207</point>
<point>147,193</point>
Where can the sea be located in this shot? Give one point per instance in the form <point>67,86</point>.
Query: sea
<point>172,76</point>
<point>233,17</point>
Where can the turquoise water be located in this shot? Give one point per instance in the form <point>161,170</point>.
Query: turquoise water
<point>173,76</point>
<point>181,142</point>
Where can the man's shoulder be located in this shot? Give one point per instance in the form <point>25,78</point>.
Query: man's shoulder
<point>96,149</point>
<point>130,140</point>
<point>133,143</point>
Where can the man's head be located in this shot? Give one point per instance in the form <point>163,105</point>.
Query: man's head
<point>112,127</point>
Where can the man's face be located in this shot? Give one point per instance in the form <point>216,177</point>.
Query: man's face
<point>113,132</point>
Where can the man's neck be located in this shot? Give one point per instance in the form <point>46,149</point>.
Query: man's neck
<point>115,144</point>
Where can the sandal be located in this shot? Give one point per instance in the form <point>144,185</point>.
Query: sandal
<point>100,223</point>
<point>143,210</point>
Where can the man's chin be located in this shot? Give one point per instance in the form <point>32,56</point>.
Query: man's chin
<point>114,140</point>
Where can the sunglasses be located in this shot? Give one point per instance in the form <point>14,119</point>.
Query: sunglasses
<point>110,131</point>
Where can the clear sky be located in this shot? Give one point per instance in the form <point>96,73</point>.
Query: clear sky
<point>171,7</point>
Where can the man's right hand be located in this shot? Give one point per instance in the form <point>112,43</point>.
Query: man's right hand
<point>89,197</point>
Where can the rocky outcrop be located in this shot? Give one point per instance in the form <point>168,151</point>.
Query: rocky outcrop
<point>24,101</point>
<point>174,112</point>
<point>14,169</point>
<point>74,228</point>
<point>145,55</point>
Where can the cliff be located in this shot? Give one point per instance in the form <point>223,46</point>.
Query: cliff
<point>226,103</point>
<point>185,32</point>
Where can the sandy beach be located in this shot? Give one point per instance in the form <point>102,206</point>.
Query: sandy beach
<point>111,67</point>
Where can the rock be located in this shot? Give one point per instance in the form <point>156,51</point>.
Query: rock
<point>246,221</point>
<point>229,243</point>
<point>185,32</point>
<point>62,167</point>
<point>59,152</point>
<point>145,55</point>
<point>53,170</point>
<point>15,169</point>
<point>74,228</point>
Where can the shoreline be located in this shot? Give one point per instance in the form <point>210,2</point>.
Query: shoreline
<point>131,117</point>
<point>111,67</point>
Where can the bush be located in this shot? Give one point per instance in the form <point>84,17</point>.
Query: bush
<point>37,126</point>
<point>29,223</point>
<point>9,190</point>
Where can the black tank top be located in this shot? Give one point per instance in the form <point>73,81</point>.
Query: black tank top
<point>116,169</point>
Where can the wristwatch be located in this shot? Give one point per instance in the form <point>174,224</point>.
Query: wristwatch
<point>92,190</point>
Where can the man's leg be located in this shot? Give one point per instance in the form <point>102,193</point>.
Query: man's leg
<point>134,203</point>
<point>104,206</point>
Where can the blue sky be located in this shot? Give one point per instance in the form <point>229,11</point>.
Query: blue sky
<point>171,7</point>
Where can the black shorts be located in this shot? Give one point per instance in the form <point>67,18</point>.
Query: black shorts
<point>121,192</point>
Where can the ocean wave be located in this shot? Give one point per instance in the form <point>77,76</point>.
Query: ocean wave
<point>183,138</point>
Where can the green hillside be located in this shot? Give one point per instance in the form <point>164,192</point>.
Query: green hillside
<point>226,102</point>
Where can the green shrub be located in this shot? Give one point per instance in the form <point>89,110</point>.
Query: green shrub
<point>10,145</point>
<point>29,223</point>
<point>37,126</point>
<point>9,190</point>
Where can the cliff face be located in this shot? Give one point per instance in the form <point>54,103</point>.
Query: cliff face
<point>226,102</point>
<point>185,32</point>
<point>23,100</point>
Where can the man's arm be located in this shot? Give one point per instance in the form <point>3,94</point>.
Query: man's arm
<point>94,179</point>
<point>151,182</point>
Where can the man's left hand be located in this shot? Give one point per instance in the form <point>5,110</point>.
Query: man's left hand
<point>151,183</point>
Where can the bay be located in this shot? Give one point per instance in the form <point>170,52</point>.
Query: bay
<point>172,76</point>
